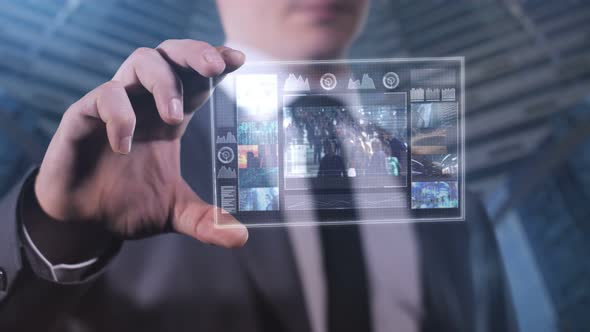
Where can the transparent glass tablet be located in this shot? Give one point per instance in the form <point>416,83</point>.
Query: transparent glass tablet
<point>340,142</point>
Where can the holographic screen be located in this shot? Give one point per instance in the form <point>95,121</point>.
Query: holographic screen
<point>337,142</point>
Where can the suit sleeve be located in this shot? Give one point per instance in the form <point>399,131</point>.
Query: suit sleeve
<point>28,300</point>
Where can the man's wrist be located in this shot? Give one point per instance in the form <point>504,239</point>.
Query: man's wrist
<point>60,242</point>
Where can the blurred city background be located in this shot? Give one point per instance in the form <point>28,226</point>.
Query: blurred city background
<point>527,108</point>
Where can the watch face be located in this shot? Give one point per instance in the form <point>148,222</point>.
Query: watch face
<point>340,142</point>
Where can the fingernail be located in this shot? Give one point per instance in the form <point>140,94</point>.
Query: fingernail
<point>235,53</point>
<point>245,234</point>
<point>125,145</point>
<point>212,57</point>
<point>175,109</point>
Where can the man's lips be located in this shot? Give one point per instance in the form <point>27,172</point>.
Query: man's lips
<point>323,10</point>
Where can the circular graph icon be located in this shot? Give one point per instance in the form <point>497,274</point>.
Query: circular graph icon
<point>391,80</point>
<point>225,155</point>
<point>328,81</point>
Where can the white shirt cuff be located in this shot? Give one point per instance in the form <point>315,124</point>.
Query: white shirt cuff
<point>59,272</point>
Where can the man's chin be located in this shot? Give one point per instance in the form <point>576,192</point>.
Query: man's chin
<point>322,49</point>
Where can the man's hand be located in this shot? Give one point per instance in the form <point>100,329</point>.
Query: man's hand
<point>114,161</point>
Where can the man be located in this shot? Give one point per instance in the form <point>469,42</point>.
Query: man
<point>115,171</point>
<point>378,162</point>
<point>331,164</point>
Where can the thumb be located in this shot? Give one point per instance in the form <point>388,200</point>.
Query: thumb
<point>196,218</point>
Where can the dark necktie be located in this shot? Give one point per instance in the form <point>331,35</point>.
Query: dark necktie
<point>347,283</point>
<point>348,307</point>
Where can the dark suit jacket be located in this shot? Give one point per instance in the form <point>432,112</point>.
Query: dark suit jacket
<point>173,283</point>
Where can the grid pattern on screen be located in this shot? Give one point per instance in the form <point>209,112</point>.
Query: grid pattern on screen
<point>341,142</point>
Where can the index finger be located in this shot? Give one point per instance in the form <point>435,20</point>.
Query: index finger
<point>201,57</point>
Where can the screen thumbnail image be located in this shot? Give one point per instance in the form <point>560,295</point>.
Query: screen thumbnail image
<point>344,141</point>
<point>434,115</point>
<point>258,156</point>
<point>435,195</point>
<point>441,141</point>
<point>259,199</point>
<point>254,133</point>
<point>256,97</point>
<point>258,177</point>
<point>437,166</point>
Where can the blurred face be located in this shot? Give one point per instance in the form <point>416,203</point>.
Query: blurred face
<point>294,29</point>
